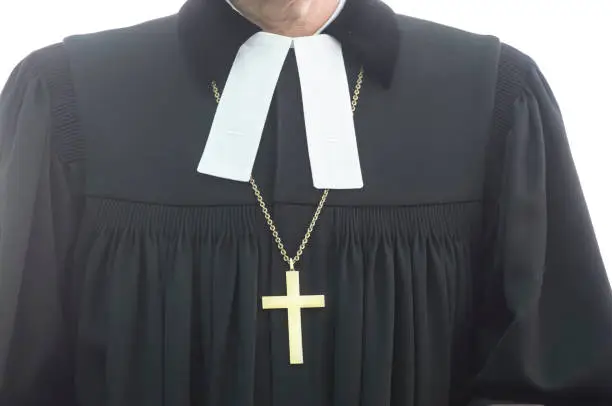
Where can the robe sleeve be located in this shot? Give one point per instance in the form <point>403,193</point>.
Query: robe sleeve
<point>36,223</point>
<point>545,330</point>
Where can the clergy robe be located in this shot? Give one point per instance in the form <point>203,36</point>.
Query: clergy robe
<point>466,270</point>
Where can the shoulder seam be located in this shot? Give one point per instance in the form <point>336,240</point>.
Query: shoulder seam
<point>51,66</point>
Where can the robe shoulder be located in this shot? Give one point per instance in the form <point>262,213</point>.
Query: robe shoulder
<point>43,80</point>
<point>40,185</point>
<point>451,88</point>
<point>435,73</point>
<point>441,35</point>
<point>542,256</point>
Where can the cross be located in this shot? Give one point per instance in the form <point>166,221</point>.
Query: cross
<point>294,303</point>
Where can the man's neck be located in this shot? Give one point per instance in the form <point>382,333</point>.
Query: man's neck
<point>291,18</point>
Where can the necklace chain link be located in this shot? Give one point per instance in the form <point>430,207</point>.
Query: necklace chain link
<point>262,204</point>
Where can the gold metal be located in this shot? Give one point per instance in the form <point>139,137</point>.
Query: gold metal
<point>315,218</point>
<point>293,302</point>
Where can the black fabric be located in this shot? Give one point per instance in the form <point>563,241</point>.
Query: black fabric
<point>466,271</point>
<point>546,339</point>
<point>41,189</point>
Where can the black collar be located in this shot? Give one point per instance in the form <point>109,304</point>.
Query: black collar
<point>211,33</point>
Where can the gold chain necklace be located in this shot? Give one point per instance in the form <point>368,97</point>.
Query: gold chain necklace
<point>293,302</point>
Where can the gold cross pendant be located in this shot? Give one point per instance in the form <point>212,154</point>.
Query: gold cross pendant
<point>294,303</point>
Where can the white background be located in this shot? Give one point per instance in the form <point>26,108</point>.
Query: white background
<point>566,37</point>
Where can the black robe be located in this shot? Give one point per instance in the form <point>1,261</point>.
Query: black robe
<point>465,272</point>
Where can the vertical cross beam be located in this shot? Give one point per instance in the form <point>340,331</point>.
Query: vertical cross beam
<point>293,302</point>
